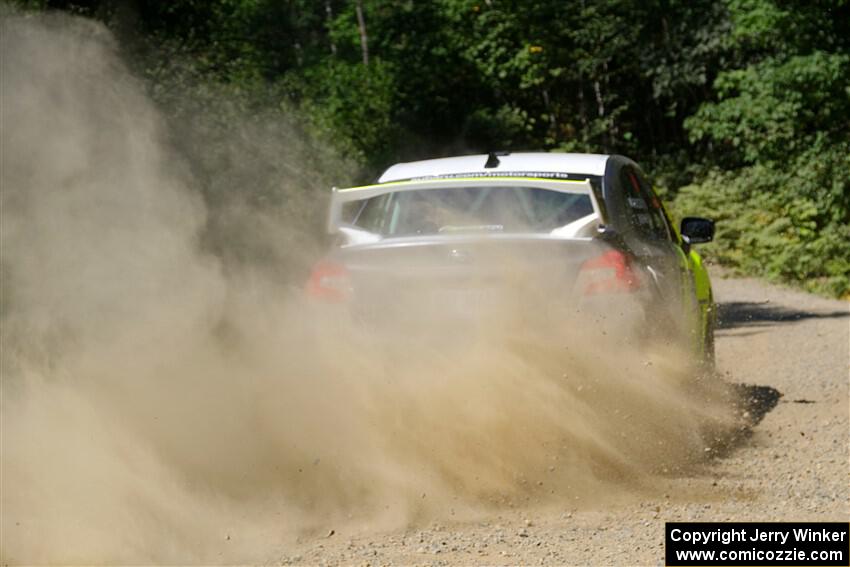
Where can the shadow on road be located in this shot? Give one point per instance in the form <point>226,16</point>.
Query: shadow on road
<point>754,402</point>
<point>751,404</point>
<point>756,314</point>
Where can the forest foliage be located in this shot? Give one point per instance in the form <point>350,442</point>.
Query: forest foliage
<point>739,109</point>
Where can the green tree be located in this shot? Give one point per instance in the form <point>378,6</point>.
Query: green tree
<point>778,135</point>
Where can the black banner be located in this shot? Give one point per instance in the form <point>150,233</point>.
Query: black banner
<point>753,543</point>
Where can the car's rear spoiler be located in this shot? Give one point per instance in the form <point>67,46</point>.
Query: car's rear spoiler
<point>339,197</point>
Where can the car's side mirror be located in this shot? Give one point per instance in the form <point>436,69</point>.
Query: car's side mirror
<point>697,230</point>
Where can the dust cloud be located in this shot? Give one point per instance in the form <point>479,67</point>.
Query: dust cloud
<point>160,406</point>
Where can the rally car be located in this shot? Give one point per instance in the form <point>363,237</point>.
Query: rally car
<point>438,235</point>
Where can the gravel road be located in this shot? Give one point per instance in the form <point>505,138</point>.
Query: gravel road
<point>794,465</point>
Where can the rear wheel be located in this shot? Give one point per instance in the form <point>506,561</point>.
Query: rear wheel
<point>708,358</point>
<point>708,355</point>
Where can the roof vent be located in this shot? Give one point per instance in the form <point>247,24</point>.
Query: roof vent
<point>493,159</point>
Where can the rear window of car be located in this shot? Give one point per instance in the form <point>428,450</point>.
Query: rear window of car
<point>471,209</point>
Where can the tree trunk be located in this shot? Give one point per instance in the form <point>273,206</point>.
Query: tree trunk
<point>330,16</point>
<point>600,103</point>
<point>361,25</point>
<point>613,129</point>
<point>553,124</point>
<point>582,106</point>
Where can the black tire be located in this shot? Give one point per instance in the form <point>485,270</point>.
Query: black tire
<point>708,353</point>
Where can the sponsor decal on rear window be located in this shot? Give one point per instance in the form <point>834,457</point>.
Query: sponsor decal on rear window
<point>532,174</point>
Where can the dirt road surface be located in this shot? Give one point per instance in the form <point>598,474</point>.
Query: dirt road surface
<point>794,466</point>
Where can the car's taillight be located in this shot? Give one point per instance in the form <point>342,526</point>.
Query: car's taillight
<point>610,273</point>
<point>330,282</point>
